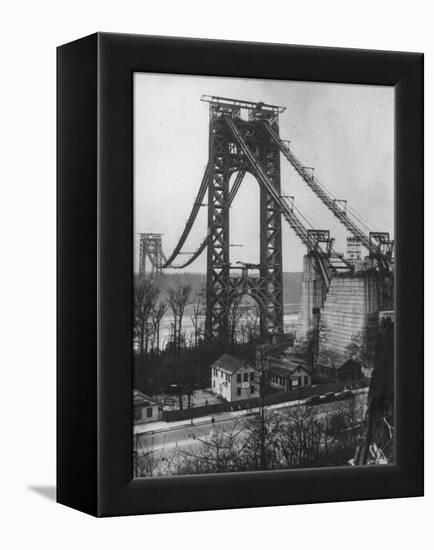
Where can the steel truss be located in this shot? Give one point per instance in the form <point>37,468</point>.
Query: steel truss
<point>380,245</point>
<point>225,158</point>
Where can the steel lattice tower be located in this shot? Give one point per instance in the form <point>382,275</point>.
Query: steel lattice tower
<point>225,158</point>
<point>151,248</point>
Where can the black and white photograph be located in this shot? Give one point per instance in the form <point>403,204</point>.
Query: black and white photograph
<point>216,294</point>
<point>264,262</point>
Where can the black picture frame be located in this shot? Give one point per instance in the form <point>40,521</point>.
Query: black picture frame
<point>95,258</point>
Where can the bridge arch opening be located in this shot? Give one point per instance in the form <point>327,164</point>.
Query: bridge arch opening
<point>244,318</point>
<point>244,221</point>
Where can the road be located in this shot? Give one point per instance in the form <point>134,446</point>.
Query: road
<point>182,436</point>
<point>189,436</point>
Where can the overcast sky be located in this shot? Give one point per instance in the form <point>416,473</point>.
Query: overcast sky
<point>345,131</point>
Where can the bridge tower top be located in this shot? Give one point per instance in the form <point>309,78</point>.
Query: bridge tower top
<point>240,108</point>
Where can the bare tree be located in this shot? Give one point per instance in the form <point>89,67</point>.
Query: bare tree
<point>347,423</point>
<point>235,314</point>
<point>248,330</point>
<point>304,440</point>
<point>296,437</point>
<point>253,329</point>
<point>222,451</point>
<point>379,420</point>
<point>329,357</point>
<point>355,348</point>
<point>157,314</point>
<point>261,367</point>
<point>261,435</point>
<point>243,321</point>
<point>150,462</point>
<point>178,299</point>
<point>197,317</point>
<point>316,339</point>
<point>145,297</point>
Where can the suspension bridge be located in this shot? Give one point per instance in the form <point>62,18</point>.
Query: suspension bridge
<point>244,138</point>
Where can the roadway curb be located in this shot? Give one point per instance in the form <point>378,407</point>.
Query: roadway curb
<point>170,428</point>
<point>208,421</point>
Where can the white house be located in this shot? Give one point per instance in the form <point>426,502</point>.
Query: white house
<point>145,408</point>
<point>234,379</point>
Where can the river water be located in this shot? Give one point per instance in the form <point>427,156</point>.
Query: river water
<point>289,321</point>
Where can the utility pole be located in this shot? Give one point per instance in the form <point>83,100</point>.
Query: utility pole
<point>262,385</point>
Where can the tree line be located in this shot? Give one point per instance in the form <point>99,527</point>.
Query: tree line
<point>182,361</point>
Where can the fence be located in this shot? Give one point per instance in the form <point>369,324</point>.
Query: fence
<point>269,399</point>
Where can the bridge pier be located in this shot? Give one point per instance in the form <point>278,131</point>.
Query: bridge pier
<point>313,295</point>
<point>352,308</point>
<point>348,308</point>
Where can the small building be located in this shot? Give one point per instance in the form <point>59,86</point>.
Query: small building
<point>289,377</point>
<point>285,370</point>
<point>234,379</point>
<point>145,408</point>
<point>349,370</point>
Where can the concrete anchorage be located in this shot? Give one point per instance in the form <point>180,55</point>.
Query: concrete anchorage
<point>348,309</point>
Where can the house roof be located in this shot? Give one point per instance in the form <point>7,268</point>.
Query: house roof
<point>289,370</point>
<point>140,398</point>
<point>288,362</point>
<point>228,363</point>
<point>280,371</point>
<point>276,350</point>
<point>350,363</point>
